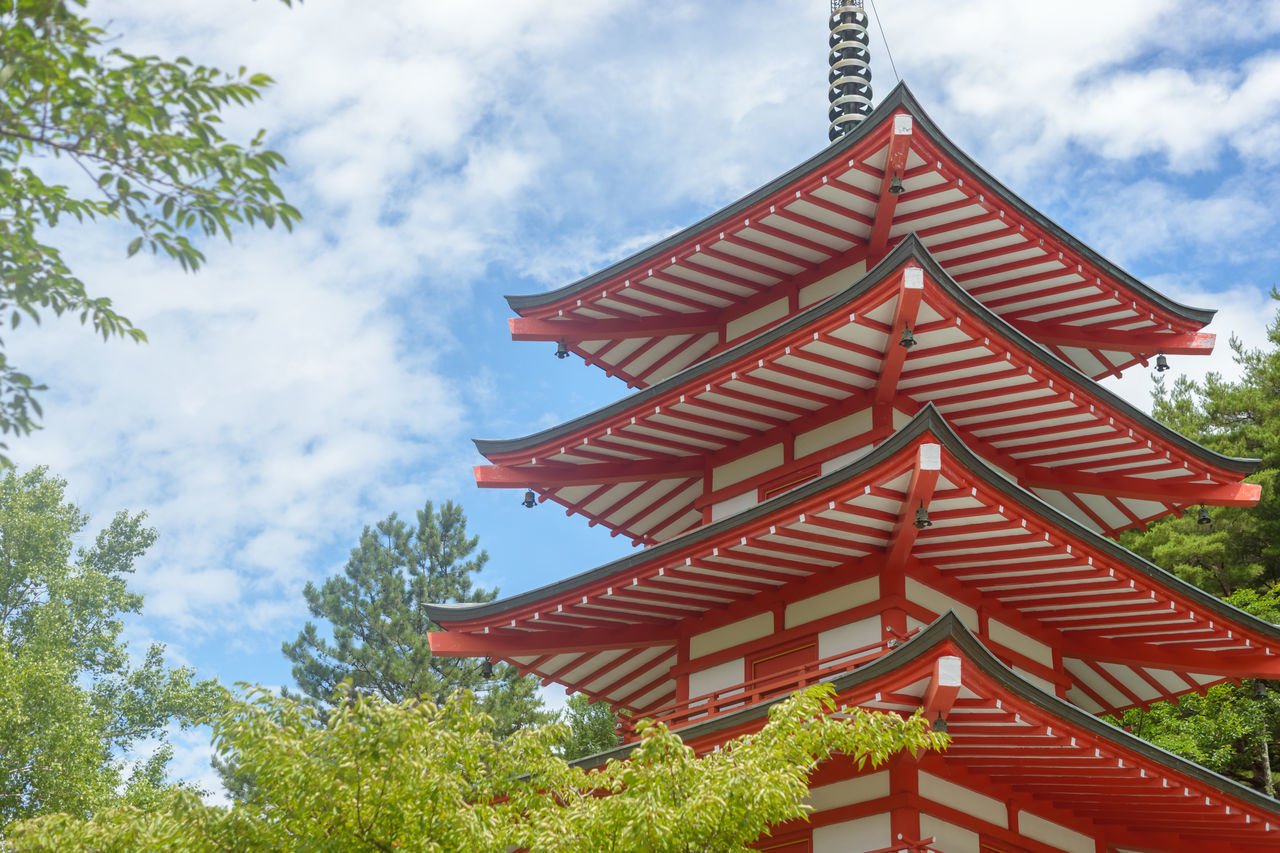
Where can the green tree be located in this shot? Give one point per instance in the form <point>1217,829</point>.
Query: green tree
<point>593,727</point>
<point>417,776</point>
<point>379,629</point>
<point>1232,728</point>
<point>73,703</point>
<point>91,132</point>
<point>1240,417</point>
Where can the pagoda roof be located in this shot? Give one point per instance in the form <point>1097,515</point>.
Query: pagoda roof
<point>1130,633</point>
<point>666,306</point>
<point>636,465</point>
<point>1030,748</point>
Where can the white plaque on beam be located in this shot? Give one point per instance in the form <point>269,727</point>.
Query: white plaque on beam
<point>931,457</point>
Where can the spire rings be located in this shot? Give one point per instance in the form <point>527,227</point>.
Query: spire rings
<point>849,79</point>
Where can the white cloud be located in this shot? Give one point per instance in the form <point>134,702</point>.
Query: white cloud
<point>1242,311</point>
<point>1134,220</point>
<point>444,153</point>
<point>1138,77</point>
<point>273,400</point>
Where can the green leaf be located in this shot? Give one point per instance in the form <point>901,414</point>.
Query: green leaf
<point>149,130</point>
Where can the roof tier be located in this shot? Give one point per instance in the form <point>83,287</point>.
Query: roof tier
<point>1033,755</point>
<point>773,252</point>
<point>1127,632</point>
<point>835,378</point>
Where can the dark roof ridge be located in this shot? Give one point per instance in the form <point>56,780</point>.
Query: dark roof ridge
<point>900,96</point>
<point>948,627</point>
<point>909,248</point>
<point>927,420</point>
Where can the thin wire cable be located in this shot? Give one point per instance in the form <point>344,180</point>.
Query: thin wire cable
<point>888,52</point>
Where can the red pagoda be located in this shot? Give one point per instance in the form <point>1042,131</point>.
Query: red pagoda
<point>868,448</point>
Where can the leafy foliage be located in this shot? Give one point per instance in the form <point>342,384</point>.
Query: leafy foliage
<point>91,132</point>
<point>593,727</point>
<point>1241,549</point>
<point>380,629</point>
<point>417,776</point>
<point>73,701</point>
<point>1232,728</point>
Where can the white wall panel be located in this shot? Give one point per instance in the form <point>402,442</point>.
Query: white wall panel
<point>1020,642</point>
<point>866,833</point>
<point>758,318</point>
<point>927,596</point>
<point>963,799</point>
<point>947,837</point>
<point>748,466</point>
<point>727,636</point>
<point>715,678</point>
<point>859,789</point>
<point>1054,834</point>
<point>833,601</point>
<point>855,635</point>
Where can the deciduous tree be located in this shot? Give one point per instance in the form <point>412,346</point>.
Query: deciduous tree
<point>417,776</point>
<point>89,131</point>
<point>73,703</point>
<point>593,727</point>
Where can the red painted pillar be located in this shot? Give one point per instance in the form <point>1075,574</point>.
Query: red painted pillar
<point>904,788</point>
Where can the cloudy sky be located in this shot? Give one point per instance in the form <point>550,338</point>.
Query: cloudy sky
<point>444,154</point>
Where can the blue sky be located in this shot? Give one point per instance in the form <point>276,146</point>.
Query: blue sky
<point>445,154</point>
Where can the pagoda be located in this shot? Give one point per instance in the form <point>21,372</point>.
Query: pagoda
<point>868,447</point>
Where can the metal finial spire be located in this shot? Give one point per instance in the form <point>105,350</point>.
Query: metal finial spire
<point>850,75</point>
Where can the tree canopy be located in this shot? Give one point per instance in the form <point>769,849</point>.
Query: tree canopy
<point>1232,728</point>
<point>89,132</point>
<point>593,727</point>
<point>380,629</point>
<point>421,776</point>
<point>74,702</point>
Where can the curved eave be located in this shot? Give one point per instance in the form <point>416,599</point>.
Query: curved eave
<point>927,422</point>
<point>948,629</point>
<point>910,248</point>
<point>899,98</point>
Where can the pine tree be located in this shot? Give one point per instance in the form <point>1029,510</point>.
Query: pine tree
<point>1232,728</point>
<point>379,630</point>
<point>1241,548</point>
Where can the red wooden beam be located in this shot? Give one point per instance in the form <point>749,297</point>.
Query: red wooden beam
<point>644,669</point>
<point>837,209</point>
<point>924,478</point>
<point>894,165</point>
<point>557,475</point>
<point>767,251</point>
<point>809,222</point>
<point>688,264</point>
<point>1086,337</point>
<point>452,644</point>
<point>1226,494</point>
<point>796,239</point>
<point>943,688</point>
<point>910,292</point>
<point>526,329</point>
<point>1254,664</point>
